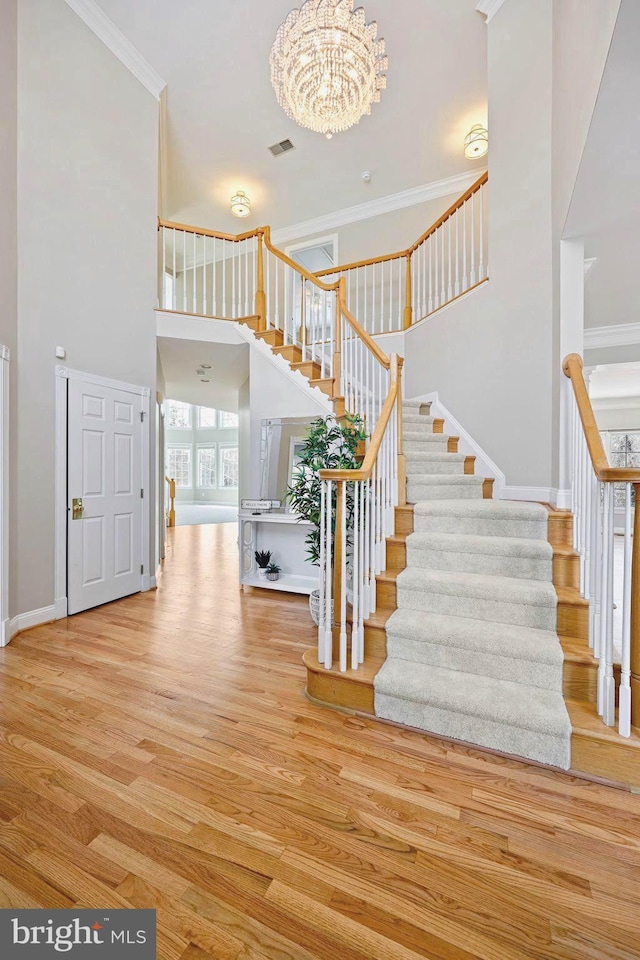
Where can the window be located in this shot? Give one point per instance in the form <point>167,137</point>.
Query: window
<point>178,415</point>
<point>206,467</point>
<point>625,452</point>
<point>207,418</point>
<point>228,467</point>
<point>179,464</point>
<point>228,421</point>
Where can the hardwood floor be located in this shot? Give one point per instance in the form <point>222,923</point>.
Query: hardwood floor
<point>159,752</point>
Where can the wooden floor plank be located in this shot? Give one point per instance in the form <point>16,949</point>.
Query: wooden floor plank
<point>159,751</point>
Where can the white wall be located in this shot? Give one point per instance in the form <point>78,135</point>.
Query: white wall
<point>9,240</point>
<point>385,233</point>
<point>87,201</point>
<point>489,356</point>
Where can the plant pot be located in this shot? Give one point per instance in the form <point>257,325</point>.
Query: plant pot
<point>262,573</point>
<point>314,606</point>
<point>272,576</point>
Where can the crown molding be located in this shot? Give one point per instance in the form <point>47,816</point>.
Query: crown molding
<point>614,335</point>
<point>488,8</point>
<point>373,208</point>
<point>106,30</point>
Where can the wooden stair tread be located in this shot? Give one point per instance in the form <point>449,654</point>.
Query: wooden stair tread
<point>584,719</point>
<point>380,617</point>
<point>577,650</point>
<point>363,675</point>
<point>571,596</point>
<point>389,575</point>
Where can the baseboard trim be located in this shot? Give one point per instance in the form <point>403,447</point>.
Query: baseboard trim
<point>29,620</point>
<point>61,608</point>
<point>537,494</point>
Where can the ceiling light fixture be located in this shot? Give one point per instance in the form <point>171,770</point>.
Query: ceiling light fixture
<point>327,67</point>
<point>240,204</point>
<point>476,142</point>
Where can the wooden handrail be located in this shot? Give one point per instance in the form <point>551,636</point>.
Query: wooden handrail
<point>344,268</point>
<point>295,266</point>
<point>572,368</point>
<point>216,234</point>
<point>450,210</point>
<point>376,440</point>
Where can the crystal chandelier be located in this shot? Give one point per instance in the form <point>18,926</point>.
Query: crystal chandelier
<point>327,65</point>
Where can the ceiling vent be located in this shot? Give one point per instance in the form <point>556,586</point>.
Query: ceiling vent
<point>283,147</point>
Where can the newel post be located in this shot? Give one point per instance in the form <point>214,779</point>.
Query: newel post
<point>408,309</point>
<point>635,613</point>
<point>261,300</point>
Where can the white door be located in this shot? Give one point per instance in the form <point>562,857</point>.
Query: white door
<point>104,491</point>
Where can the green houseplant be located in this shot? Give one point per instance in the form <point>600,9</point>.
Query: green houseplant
<point>331,444</point>
<point>263,559</point>
<point>273,571</point>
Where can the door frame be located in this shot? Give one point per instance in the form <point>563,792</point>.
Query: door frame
<point>5,623</point>
<point>63,375</point>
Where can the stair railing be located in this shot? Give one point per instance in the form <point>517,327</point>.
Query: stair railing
<point>595,487</point>
<point>358,506</point>
<point>170,502</point>
<point>207,273</point>
<point>448,260</point>
<point>303,308</point>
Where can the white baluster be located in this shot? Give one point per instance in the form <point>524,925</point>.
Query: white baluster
<point>481,271</point>
<point>355,587</point>
<point>624,723</point>
<point>449,286</point>
<point>328,619</point>
<point>430,301</point>
<point>224,279</point>
<point>184,271</point>
<point>607,694</point>
<point>162,296</point>
<point>464,246</point>
<point>321,580</point>
<point>456,288</point>
<point>399,261</point>
<point>193,275</point>
<point>472,277</point>
<point>342,493</point>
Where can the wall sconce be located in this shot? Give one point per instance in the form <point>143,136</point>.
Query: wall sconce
<point>240,204</point>
<point>476,142</point>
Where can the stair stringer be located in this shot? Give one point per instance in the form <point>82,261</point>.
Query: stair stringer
<point>294,376</point>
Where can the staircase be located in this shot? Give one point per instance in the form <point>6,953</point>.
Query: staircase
<point>472,649</point>
<point>481,634</point>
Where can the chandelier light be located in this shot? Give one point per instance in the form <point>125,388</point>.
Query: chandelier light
<point>240,204</point>
<point>476,142</point>
<point>327,67</point>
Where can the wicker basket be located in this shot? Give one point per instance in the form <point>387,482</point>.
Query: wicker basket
<point>314,606</point>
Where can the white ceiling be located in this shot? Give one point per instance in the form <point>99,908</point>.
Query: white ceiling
<point>222,113</point>
<point>615,381</point>
<point>229,368</point>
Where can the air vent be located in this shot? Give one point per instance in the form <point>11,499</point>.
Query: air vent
<point>283,147</point>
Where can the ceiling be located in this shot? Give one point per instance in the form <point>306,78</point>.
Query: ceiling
<point>229,368</point>
<point>615,381</point>
<point>222,114</point>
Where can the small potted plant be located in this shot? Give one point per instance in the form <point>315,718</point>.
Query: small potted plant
<point>273,571</point>
<point>263,559</point>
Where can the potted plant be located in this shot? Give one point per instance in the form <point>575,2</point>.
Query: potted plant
<point>263,559</point>
<point>331,444</point>
<point>273,571</point>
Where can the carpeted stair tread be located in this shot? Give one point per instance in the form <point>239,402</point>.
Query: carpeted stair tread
<point>436,480</point>
<point>533,593</point>
<point>435,456</point>
<point>542,711</point>
<point>497,714</point>
<point>497,556</point>
<point>414,435</point>
<point>413,417</point>
<point>500,509</point>
<point>521,654</point>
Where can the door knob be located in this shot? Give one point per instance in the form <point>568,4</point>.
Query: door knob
<point>77,508</point>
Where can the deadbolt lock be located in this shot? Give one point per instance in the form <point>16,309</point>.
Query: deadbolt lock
<point>77,508</point>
